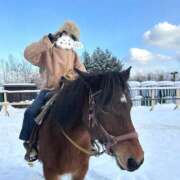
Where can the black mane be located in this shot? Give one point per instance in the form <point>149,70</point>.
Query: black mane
<point>68,107</point>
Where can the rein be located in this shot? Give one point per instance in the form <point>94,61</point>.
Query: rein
<point>92,123</point>
<point>90,153</point>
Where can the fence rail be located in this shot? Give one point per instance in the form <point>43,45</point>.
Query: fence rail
<point>146,96</point>
<point>150,96</point>
<point>5,101</point>
<point>154,88</point>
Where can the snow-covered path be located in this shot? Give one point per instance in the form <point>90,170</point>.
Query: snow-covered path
<point>159,132</point>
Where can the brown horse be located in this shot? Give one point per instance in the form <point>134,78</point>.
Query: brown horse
<point>93,107</point>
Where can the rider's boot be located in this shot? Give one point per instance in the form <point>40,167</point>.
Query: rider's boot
<point>31,154</point>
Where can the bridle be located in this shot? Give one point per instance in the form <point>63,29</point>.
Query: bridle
<point>94,123</point>
<point>110,140</point>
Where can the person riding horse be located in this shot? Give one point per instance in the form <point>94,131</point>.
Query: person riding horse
<point>55,56</point>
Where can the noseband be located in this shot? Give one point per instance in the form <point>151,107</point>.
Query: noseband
<point>93,122</point>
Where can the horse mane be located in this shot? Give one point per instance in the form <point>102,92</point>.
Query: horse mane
<point>67,109</point>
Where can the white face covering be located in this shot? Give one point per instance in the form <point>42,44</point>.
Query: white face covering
<point>66,42</point>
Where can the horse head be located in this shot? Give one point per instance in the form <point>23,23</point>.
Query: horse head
<point>113,126</point>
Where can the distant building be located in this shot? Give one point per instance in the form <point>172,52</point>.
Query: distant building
<point>1,96</point>
<point>16,97</point>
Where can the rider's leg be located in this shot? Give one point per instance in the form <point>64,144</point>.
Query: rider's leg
<point>30,114</point>
<point>29,123</point>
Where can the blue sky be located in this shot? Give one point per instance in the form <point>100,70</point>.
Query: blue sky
<point>117,25</point>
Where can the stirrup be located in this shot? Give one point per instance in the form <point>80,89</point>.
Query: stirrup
<point>31,156</point>
<point>31,153</point>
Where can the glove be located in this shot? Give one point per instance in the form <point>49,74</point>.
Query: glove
<point>52,38</point>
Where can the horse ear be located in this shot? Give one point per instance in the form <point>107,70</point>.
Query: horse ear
<point>126,73</point>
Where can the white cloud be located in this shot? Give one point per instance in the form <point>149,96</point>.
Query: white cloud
<point>141,55</point>
<point>164,35</point>
<point>144,56</point>
<point>162,57</point>
<point>144,61</point>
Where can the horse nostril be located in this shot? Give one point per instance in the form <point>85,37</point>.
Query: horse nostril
<point>141,161</point>
<point>132,164</point>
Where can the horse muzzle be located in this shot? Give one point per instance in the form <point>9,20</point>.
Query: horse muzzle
<point>130,165</point>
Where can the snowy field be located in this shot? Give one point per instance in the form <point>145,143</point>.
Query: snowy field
<point>159,132</point>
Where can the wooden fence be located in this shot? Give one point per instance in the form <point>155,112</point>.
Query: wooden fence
<point>5,101</point>
<point>137,97</point>
<point>150,96</point>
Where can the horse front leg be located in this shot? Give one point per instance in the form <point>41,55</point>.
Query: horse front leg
<point>81,173</point>
<point>49,174</point>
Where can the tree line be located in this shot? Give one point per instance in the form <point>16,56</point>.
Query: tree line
<point>14,70</point>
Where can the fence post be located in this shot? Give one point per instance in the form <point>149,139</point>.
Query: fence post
<point>177,98</point>
<point>152,99</point>
<point>5,104</point>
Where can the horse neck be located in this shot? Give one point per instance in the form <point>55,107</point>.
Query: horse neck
<point>70,109</point>
<point>84,109</point>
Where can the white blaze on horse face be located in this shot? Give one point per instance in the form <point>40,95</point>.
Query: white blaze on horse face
<point>123,98</point>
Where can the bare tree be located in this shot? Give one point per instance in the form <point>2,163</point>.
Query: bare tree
<point>19,71</point>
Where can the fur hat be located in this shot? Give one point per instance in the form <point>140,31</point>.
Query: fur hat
<point>71,28</point>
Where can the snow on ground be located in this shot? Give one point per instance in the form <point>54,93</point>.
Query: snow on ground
<point>159,132</point>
